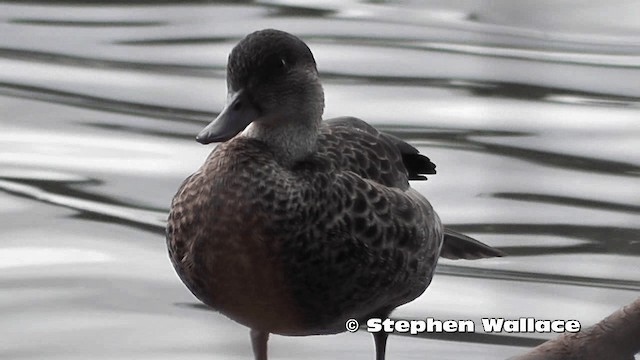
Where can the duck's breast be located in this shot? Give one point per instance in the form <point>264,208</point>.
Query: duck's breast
<point>218,240</point>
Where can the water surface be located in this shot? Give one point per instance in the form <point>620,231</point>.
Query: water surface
<point>530,112</point>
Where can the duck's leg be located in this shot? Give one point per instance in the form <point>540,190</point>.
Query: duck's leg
<point>380,339</point>
<point>259,343</point>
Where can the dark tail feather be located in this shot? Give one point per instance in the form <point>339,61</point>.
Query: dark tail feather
<point>459,246</point>
<point>417,165</point>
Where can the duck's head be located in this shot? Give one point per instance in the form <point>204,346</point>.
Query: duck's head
<point>273,91</point>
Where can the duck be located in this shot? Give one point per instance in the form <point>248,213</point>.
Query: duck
<point>617,336</point>
<point>295,225</point>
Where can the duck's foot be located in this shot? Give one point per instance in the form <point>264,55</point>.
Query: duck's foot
<point>259,343</point>
<point>380,339</point>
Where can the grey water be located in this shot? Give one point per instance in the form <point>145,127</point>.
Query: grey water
<point>529,109</point>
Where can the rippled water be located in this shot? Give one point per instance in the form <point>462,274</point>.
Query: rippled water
<point>530,112</point>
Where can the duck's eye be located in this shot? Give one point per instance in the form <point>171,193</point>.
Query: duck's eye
<point>275,67</point>
<point>278,64</point>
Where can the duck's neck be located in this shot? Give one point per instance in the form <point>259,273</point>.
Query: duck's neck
<point>290,127</point>
<point>290,139</point>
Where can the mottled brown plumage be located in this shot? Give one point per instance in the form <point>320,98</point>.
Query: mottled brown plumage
<point>347,243</point>
<point>296,225</point>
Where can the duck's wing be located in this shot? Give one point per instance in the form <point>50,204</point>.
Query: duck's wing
<point>356,146</point>
<point>363,247</point>
<point>460,246</point>
<point>353,145</point>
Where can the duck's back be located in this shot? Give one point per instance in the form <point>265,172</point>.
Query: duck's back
<point>356,146</point>
<point>380,238</point>
<point>339,235</point>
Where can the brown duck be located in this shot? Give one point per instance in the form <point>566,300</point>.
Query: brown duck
<point>294,224</point>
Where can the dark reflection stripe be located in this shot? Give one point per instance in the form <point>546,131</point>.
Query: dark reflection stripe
<point>297,11</point>
<point>564,161</point>
<point>462,139</point>
<point>104,104</point>
<point>599,239</point>
<point>191,40</point>
<point>525,276</point>
<point>566,201</point>
<point>126,2</point>
<point>132,129</point>
<point>498,40</point>
<point>152,227</point>
<point>86,23</point>
<point>437,46</point>
<point>495,89</point>
<point>475,87</point>
<point>522,57</point>
<point>478,337</point>
<point>76,190</point>
<point>74,60</point>
<point>86,205</point>
<point>422,41</point>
